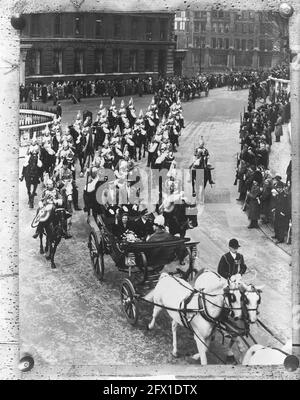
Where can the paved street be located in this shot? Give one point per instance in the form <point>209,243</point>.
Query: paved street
<point>68,317</point>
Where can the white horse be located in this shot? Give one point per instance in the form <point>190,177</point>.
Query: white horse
<point>245,309</point>
<point>262,355</point>
<point>171,292</point>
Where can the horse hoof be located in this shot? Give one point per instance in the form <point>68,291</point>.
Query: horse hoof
<point>42,251</point>
<point>53,266</point>
<point>175,355</point>
<point>48,257</point>
<point>231,360</point>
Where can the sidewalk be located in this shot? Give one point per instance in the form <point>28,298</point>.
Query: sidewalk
<point>280,156</point>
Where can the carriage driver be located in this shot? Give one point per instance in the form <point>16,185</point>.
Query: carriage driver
<point>232,263</point>
<point>49,200</point>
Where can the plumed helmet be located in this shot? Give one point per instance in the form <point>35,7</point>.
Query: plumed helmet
<point>50,183</point>
<point>159,220</point>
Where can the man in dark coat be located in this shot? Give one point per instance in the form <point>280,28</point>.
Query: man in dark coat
<point>143,227</point>
<point>58,110</point>
<point>161,255</point>
<point>254,205</point>
<point>232,263</point>
<point>282,215</point>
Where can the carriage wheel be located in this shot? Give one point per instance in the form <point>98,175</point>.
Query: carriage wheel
<point>129,302</point>
<point>97,258</point>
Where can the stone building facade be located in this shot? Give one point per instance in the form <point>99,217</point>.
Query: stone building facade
<point>95,45</point>
<point>217,40</point>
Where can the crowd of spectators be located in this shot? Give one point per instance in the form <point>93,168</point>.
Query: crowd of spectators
<point>81,88</point>
<point>265,197</point>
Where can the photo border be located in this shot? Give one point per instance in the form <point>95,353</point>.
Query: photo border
<point>9,153</point>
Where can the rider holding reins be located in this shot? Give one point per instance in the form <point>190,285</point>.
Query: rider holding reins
<point>50,199</point>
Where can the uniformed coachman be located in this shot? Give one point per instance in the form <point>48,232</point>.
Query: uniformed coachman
<point>232,263</point>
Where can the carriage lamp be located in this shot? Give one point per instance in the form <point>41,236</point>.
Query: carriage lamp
<point>286,10</point>
<point>18,21</point>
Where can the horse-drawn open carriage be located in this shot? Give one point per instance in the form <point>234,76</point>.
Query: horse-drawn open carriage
<point>141,261</point>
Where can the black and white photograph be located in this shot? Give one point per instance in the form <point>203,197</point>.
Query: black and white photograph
<point>156,187</point>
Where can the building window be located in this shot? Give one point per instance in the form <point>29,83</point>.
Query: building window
<point>251,15</point>
<point>221,28</point>
<point>237,44</point>
<point>196,41</point>
<point>99,61</point>
<point>220,43</point>
<point>203,26</point>
<point>202,42</point>
<point>163,29</point>
<point>57,25</point>
<point>262,45</point>
<point>245,28</point>
<point>78,62</point>
<point>117,60</point>
<point>251,28</point>
<point>203,14</point>
<point>182,14</point>
<point>245,15</point>
<point>214,27</point>
<point>134,28</point>
<point>161,62</point>
<point>196,14</point>
<point>226,28</point>
<point>196,26</point>
<point>221,14</point>
<point>57,61</point>
<point>243,44</point>
<point>239,27</point>
<point>78,26</point>
<point>214,43</point>
<point>35,24</point>
<point>215,14</point>
<point>133,61</point>
<point>226,43</point>
<point>148,60</point>
<point>99,27</point>
<point>250,44</point>
<point>149,25</point>
<point>117,26</point>
<point>269,45</point>
<point>36,62</point>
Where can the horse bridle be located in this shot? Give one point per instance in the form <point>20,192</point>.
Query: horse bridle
<point>245,300</point>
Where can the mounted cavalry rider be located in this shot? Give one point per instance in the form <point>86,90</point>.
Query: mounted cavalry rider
<point>50,199</point>
<point>66,183</point>
<point>201,157</point>
<point>66,153</point>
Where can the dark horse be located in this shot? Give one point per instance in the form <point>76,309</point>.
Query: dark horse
<point>54,229</point>
<point>32,174</point>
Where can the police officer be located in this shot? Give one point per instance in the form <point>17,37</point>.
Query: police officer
<point>232,263</point>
